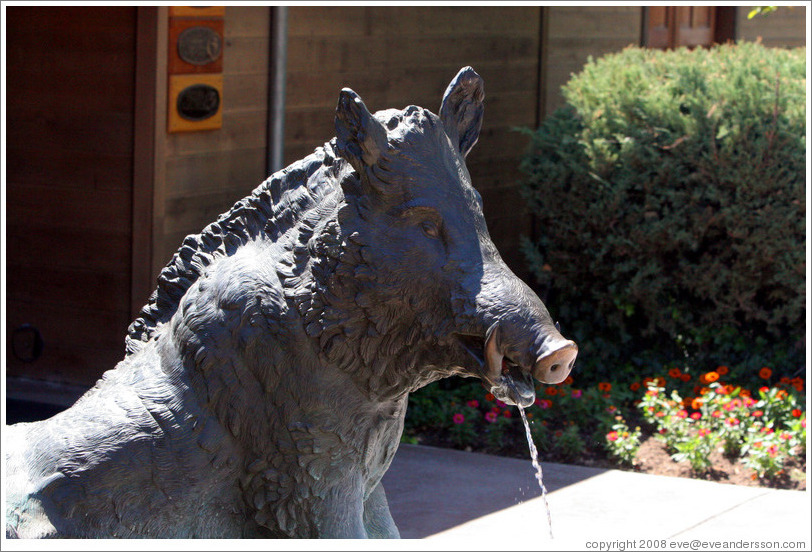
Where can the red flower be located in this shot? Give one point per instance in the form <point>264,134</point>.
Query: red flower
<point>765,373</point>
<point>796,413</point>
<point>635,386</point>
<point>674,373</point>
<point>612,436</point>
<point>758,413</point>
<point>604,386</point>
<point>458,418</point>
<point>489,397</point>
<point>551,391</point>
<point>685,378</point>
<point>722,370</point>
<point>506,413</point>
<point>473,403</point>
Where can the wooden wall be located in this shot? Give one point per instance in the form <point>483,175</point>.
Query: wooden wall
<point>785,27</point>
<point>575,33</point>
<point>202,174</point>
<point>70,97</point>
<point>397,56</point>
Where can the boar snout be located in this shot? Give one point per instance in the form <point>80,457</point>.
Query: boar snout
<point>555,363</point>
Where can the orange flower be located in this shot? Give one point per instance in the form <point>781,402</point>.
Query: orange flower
<point>780,394</point>
<point>551,391</point>
<point>604,386</point>
<point>696,403</point>
<point>569,380</point>
<point>660,381</point>
<point>765,373</point>
<point>710,377</point>
<point>798,384</point>
<point>635,386</point>
<point>745,393</point>
<point>722,370</point>
<point>704,390</point>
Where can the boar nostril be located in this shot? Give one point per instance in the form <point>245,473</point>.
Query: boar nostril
<point>554,367</point>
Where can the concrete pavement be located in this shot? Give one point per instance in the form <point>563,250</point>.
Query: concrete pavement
<point>459,500</point>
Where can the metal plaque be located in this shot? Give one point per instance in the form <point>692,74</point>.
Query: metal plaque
<point>198,102</point>
<point>199,45</point>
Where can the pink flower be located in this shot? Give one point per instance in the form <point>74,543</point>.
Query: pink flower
<point>612,436</point>
<point>786,436</point>
<point>732,422</point>
<point>544,404</point>
<point>682,414</point>
<point>803,423</point>
<point>473,403</point>
<point>458,418</point>
<point>506,413</point>
<point>773,450</point>
<point>716,414</point>
<point>703,431</point>
<point>696,415</point>
<point>576,393</point>
<point>490,417</point>
<point>500,404</point>
<point>758,414</point>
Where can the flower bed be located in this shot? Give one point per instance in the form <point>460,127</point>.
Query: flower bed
<point>715,429</point>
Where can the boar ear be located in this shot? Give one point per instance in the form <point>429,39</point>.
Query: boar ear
<point>462,109</point>
<point>360,137</point>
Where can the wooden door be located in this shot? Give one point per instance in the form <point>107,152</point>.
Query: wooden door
<point>691,26</point>
<point>70,138</point>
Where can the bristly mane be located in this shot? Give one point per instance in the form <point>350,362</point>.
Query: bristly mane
<point>272,209</point>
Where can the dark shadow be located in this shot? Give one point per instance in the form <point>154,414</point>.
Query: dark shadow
<point>433,489</point>
<point>29,411</point>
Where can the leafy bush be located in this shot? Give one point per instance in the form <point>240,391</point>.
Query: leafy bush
<point>670,199</point>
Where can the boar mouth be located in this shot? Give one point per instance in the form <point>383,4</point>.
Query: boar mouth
<point>503,377</point>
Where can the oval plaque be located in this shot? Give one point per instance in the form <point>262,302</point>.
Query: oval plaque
<point>198,102</point>
<point>199,45</point>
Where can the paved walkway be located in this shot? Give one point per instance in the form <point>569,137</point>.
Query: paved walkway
<point>469,501</point>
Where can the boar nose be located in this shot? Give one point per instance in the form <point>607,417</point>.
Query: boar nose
<point>554,365</point>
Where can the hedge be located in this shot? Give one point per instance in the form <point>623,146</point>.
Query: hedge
<point>670,199</point>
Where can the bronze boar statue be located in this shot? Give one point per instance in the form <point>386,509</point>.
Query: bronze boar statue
<point>265,383</point>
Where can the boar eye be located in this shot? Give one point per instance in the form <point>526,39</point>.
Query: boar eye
<point>430,228</point>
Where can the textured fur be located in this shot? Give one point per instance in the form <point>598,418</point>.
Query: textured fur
<point>265,384</point>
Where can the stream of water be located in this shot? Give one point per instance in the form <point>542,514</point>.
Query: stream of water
<point>534,457</point>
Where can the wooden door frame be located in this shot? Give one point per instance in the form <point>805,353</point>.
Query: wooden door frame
<point>143,190</point>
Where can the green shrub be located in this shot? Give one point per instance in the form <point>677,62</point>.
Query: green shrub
<point>670,200</point>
